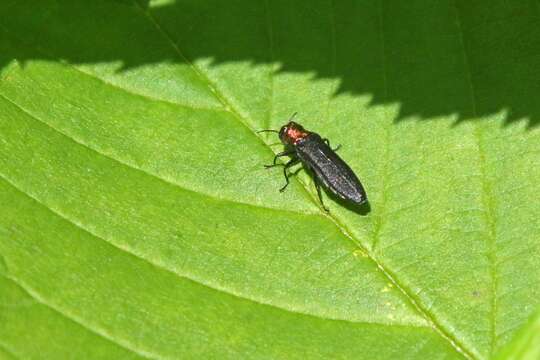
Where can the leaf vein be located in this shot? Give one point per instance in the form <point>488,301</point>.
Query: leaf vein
<point>8,351</point>
<point>486,192</point>
<point>445,334</point>
<point>111,84</point>
<point>161,267</point>
<point>136,168</point>
<point>93,329</point>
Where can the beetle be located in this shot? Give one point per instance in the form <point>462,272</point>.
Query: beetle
<point>316,155</point>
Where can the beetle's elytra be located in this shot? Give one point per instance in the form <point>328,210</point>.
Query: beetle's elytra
<point>316,154</point>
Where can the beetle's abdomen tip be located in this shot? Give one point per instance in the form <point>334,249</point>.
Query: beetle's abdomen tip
<point>360,200</point>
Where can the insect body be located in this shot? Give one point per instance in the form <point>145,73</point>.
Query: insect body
<point>316,154</point>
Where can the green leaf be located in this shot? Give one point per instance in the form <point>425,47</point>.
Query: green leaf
<point>526,344</point>
<point>137,220</point>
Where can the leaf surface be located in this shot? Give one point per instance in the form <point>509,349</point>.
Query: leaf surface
<point>137,219</point>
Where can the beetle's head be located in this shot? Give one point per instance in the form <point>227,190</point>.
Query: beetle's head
<point>290,133</point>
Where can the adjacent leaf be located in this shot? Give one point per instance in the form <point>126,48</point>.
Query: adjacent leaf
<point>137,219</point>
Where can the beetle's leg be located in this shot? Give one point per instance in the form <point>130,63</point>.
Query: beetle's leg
<point>283,153</point>
<point>328,143</point>
<point>288,165</point>
<point>318,187</point>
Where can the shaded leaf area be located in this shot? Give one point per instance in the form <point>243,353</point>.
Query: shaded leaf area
<point>426,47</point>
<point>137,218</point>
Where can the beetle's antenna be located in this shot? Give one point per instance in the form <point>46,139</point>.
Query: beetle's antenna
<point>268,130</point>
<point>293,115</point>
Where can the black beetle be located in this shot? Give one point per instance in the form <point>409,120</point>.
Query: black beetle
<point>316,155</point>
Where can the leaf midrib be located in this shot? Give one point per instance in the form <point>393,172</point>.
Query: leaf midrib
<point>133,167</point>
<point>449,337</point>
<point>228,107</point>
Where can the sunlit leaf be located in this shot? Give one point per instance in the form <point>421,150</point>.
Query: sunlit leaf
<point>137,219</point>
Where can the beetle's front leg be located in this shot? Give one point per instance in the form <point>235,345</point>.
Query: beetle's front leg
<point>283,153</point>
